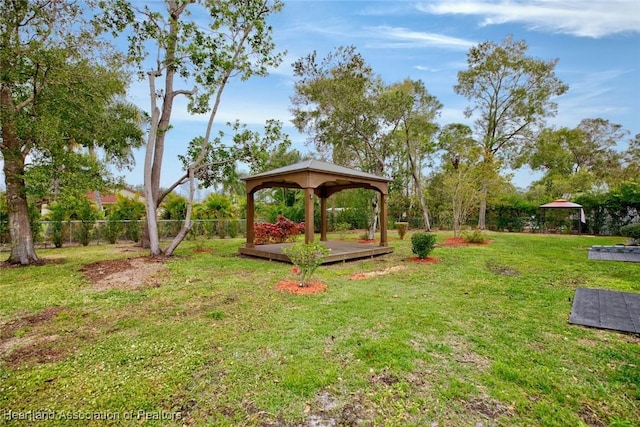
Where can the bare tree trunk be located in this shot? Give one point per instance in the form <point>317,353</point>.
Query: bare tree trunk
<point>22,247</point>
<point>456,204</point>
<point>149,188</point>
<point>418,189</point>
<point>187,220</point>
<point>197,163</point>
<point>482,214</point>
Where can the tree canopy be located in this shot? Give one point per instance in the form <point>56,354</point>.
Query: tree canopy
<point>511,94</point>
<point>172,49</point>
<point>59,89</point>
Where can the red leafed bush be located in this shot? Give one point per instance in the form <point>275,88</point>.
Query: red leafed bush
<point>282,231</point>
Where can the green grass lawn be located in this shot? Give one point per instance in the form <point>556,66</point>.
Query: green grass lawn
<point>479,337</point>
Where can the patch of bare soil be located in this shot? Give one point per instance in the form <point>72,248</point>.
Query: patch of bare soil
<point>34,350</point>
<point>489,408</point>
<point>377,273</point>
<point>17,349</point>
<point>42,261</point>
<point>590,417</point>
<point>9,329</point>
<point>293,286</point>
<point>125,274</point>
<point>460,241</point>
<point>501,270</point>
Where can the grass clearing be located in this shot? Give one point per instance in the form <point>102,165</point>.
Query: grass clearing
<point>479,337</point>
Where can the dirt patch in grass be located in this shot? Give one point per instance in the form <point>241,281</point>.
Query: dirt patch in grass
<point>9,329</point>
<point>488,408</point>
<point>41,261</point>
<point>377,273</point>
<point>460,241</point>
<point>590,417</point>
<point>501,270</point>
<point>28,351</point>
<point>18,347</point>
<point>126,274</point>
<point>293,287</point>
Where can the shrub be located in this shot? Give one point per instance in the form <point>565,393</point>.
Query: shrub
<point>402,229</point>
<point>475,237</point>
<point>222,227</point>
<point>631,231</point>
<point>282,231</point>
<point>59,228</point>
<point>342,228</point>
<point>422,244</point>
<point>132,231</point>
<point>111,230</point>
<point>86,214</point>
<point>234,226</point>
<point>307,257</point>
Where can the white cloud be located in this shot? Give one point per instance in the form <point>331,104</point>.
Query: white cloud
<point>450,114</point>
<point>395,8</point>
<point>402,37</point>
<point>426,68</point>
<point>583,18</point>
<point>589,96</point>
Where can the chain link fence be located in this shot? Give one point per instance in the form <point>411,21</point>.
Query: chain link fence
<point>60,233</point>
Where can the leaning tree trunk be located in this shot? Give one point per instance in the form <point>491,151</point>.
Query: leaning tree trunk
<point>188,223</point>
<point>22,247</point>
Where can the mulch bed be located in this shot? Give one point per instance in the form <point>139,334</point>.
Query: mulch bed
<point>293,287</point>
<point>425,260</point>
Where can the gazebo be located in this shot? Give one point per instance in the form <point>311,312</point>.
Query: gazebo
<point>317,179</point>
<point>565,204</point>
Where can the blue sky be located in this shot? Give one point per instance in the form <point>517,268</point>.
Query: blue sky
<point>597,43</point>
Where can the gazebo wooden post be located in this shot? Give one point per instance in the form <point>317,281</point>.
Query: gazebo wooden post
<point>250,220</point>
<point>579,221</point>
<point>319,179</point>
<point>308,215</point>
<point>383,220</point>
<point>323,218</point>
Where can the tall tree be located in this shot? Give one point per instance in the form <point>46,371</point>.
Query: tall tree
<point>576,160</point>
<point>236,42</point>
<point>416,109</point>
<point>81,164</point>
<point>631,160</point>
<point>337,102</point>
<point>56,81</point>
<point>461,171</point>
<point>511,95</point>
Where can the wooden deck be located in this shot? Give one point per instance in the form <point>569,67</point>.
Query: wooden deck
<point>340,251</point>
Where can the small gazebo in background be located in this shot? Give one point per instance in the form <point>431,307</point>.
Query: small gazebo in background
<point>565,204</point>
<point>317,179</point>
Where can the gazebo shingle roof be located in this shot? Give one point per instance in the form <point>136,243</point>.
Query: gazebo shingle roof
<point>317,166</point>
